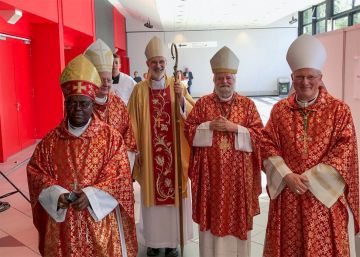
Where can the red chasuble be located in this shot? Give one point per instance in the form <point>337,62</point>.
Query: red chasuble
<point>225,182</point>
<point>300,225</point>
<point>97,158</point>
<point>115,113</point>
<point>162,146</point>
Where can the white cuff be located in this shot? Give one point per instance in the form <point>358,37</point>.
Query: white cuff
<point>49,198</point>
<point>325,183</point>
<point>203,135</point>
<point>276,169</point>
<point>243,140</point>
<point>101,203</point>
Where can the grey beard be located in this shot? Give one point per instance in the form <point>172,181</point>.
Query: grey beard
<point>224,94</point>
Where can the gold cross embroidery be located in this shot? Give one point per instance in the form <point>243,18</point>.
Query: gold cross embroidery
<point>158,121</point>
<point>79,87</point>
<point>224,144</point>
<point>74,185</point>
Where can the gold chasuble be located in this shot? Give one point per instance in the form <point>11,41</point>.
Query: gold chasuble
<point>115,113</point>
<point>225,182</point>
<point>322,133</point>
<point>97,158</point>
<point>152,114</point>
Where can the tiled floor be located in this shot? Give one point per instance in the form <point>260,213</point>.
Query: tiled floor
<point>18,236</point>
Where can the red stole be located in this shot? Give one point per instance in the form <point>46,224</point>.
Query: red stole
<point>162,146</point>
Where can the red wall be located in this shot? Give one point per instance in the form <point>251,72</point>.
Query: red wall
<point>332,71</point>
<point>22,28</point>
<point>46,9</point>
<point>59,30</point>
<point>46,73</point>
<point>82,21</point>
<point>119,30</point>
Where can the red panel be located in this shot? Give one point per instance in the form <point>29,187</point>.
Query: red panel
<point>44,8</point>
<point>125,65</point>
<point>24,93</point>
<point>75,43</point>
<point>9,125</point>
<point>21,28</point>
<point>79,15</point>
<point>119,30</point>
<point>47,56</point>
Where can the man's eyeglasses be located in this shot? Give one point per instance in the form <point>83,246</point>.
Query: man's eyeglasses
<point>302,78</point>
<point>105,81</point>
<point>83,105</point>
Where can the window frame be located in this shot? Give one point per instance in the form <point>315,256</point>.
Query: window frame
<point>329,16</point>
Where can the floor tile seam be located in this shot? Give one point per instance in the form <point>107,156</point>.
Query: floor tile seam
<point>14,168</point>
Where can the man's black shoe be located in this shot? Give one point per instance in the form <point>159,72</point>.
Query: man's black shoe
<point>4,206</point>
<point>152,251</point>
<point>171,252</point>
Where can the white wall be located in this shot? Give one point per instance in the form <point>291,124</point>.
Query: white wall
<point>262,54</point>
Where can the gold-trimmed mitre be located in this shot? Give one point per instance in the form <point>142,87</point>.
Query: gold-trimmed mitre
<point>154,48</point>
<point>224,61</point>
<point>306,52</point>
<point>80,77</point>
<point>100,54</point>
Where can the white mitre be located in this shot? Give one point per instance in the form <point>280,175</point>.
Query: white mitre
<point>306,52</point>
<point>154,48</point>
<point>100,54</point>
<point>224,61</point>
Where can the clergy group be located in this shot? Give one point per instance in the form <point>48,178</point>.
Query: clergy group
<point>195,161</point>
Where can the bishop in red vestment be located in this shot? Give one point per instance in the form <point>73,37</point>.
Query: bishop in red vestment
<point>224,129</point>
<point>108,107</point>
<point>79,178</point>
<point>311,162</point>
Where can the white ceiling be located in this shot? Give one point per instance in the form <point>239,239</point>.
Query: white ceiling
<point>210,14</point>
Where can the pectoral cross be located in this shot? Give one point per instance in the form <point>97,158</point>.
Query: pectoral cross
<point>79,87</point>
<point>224,144</point>
<point>74,185</point>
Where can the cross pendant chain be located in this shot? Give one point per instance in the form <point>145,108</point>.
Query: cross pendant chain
<point>226,113</point>
<point>305,137</point>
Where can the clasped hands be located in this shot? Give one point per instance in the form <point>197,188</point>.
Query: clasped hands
<point>220,123</point>
<point>297,183</point>
<point>79,204</point>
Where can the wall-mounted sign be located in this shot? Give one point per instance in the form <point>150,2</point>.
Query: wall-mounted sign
<point>196,44</point>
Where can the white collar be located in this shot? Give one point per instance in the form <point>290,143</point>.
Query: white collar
<point>226,99</point>
<point>158,84</point>
<point>101,101</point>
<point>77,131</point>
<point>305,104</point>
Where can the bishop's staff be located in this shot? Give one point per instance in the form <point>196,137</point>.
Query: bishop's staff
<point>174,55</point>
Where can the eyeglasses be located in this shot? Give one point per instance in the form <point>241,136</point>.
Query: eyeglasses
<point>108,80</point>
<point>83,105</point>
<point>302,78</point>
